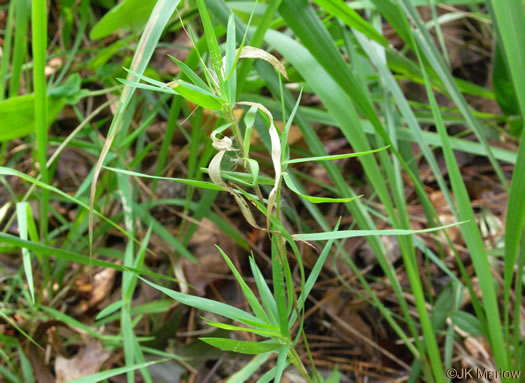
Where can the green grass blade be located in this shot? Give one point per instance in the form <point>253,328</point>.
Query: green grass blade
<point>70,256</point>
<point>11,172</point>
<point>264,291</point>
<point>191,74</point>
<point>213,44</point>
<point>243,347</point>
<point>249,369</point>
<point>292,187</point>
<point>281,363</point>
<point>104,375</point>
<point>265,333</point>
<point>248,293</point>
<point>128,13</point>
<point>335,157</point>
<point>27,370</point>
<point>431,54</point>
<point>472,237</point>
<point>509,22</point>
<point>26,335</point>
<point>20,47</point>
<point>206,304</point>
<point>22,214</point>
<point>278,287</point>
<point>39,46</point>
<point>350,17</point>
<point>157,21</point>
<point>6,48</point>
<point>340,234</point>
<point>199,184</point>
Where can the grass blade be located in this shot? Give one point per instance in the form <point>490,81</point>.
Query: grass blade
<point>39,46</point>
<point>22,214</point>
<point>148,41</point>
<point>363,233</point>
<point>509,22</point>
<point>100,376</point>
<point>243,347</point>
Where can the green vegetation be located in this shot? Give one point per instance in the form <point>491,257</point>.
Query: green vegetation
<point>184,181</point>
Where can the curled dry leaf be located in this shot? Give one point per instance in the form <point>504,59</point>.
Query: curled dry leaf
<point>87,362</point>
<point>224,145</point>
<point>102,285</point>
<point>276,158</point>
<point>256,53</point>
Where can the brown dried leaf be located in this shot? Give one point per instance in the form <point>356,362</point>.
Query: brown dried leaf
<point>211,266</point>
<point>256,53</point>
<point>88,361</point>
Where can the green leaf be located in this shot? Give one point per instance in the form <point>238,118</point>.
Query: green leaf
<point>292,187</point>
<point>336,156</point>
<point>197,95</point>
<point>442,307</point>
<point>266,333</point>
<point>211,39</point>
<point>128,13</point>
<point>249,369</point>
<point>284,138</point>
<point>350,17</point>
<point>26,335</point>
<point>335,376</point>
<point>230,60</point>
<point>27,369</point>
<point>264,291</point>
<point>504,91</point>
<point>199,184</point>
<point>467,322</point>
<point>12,172</point>
<point>138,85</point>
<point>109,309</point>
<point>242,347</point>
<point>510,20</point>
<point>281,362</point>
<point>215,307</point>
<point>18,116</point>
<point>197,81</point>
<point>100,376</point>
<point>157,21</point>
<point>70,256</point>
<point>23,213</point>
<point>363,233</point>
<point>248,293</point>
<point>278,287</point>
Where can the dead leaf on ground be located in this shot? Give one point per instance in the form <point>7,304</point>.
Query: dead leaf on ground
<point>101,288</point>
<point>211,265</point>
<point>87,362</point>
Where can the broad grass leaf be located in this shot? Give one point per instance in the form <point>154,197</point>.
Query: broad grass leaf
<point>128,13</point>
<point>199,96</point>
<point>18,116</point>
<point>215,307</point>
<point>467,322</point>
